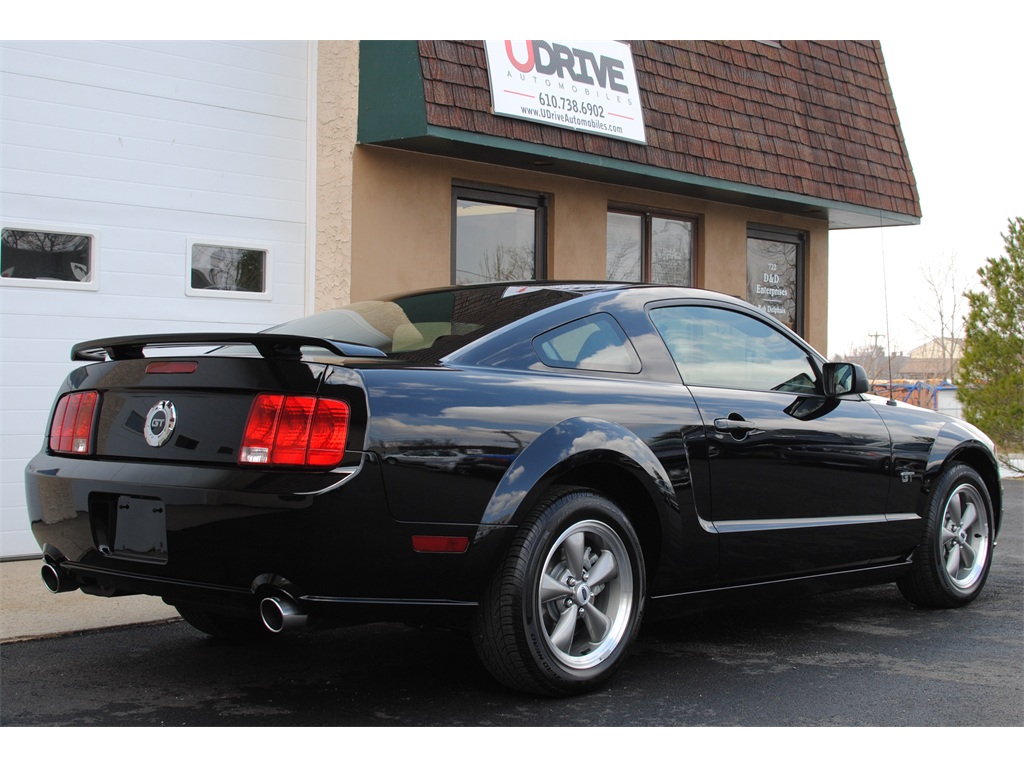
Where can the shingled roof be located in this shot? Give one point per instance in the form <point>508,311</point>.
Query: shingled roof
<point>810,121</point>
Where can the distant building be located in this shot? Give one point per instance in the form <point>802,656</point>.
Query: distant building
<point>936,360</point>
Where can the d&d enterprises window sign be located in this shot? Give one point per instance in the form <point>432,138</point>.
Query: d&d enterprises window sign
<point>773,278</point>
<point>581,85</point>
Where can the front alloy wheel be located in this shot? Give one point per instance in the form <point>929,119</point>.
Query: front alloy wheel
<point>952,562</point>
<point>964,540</point>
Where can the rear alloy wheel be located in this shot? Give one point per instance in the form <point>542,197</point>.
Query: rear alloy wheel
<point>561,614</point>
<point>952,562</point>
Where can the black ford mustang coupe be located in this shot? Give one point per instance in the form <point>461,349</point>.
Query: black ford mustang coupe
<point>543,462</point>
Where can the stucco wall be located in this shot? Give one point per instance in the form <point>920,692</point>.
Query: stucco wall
<point>401,228</point>
<point>337,112</point>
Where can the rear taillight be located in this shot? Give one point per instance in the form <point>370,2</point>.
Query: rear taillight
<point>289,430</point>
<point>71,428</point>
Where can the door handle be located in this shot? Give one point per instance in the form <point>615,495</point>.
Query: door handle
<point>735,424</point>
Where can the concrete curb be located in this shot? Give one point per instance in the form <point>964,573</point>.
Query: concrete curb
<point>29,611</point>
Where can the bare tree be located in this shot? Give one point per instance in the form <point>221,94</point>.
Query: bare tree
<point>510,263</point>
<point>623,263</point>
<point>941,317</point>
<point>872,357</point>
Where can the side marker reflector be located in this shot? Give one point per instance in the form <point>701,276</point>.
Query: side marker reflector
<point>440,544</point>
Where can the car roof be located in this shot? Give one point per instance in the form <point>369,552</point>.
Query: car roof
<point>577,299</point>
<point>583,289</point>
<point>489,314</point>
<point>579,287</point>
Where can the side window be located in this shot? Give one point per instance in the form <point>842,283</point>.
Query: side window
<point>715,347</point>
<point>594,343</point>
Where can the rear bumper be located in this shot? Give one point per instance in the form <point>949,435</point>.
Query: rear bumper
<point>225,537</point>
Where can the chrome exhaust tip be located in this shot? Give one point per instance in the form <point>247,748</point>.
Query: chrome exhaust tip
<point>56,580</point>
<point>280,614</point>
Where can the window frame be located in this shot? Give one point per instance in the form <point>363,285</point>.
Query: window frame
<point>92,284</point>
<point>647,216</point>
<point>539,202</point>
<point>265,295</point>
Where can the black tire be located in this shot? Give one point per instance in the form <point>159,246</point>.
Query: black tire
<point>952,562</point>
<point>561,613</point>
<point>223,626</point>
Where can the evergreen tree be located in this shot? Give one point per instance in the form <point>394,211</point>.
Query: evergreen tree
<point>991,378</point>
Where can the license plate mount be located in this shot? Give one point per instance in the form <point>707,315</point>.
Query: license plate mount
<point>140,529</point>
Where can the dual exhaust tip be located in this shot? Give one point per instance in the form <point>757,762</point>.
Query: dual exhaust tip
<point>56,579</point>
<point>278,613</point>
<point>281,614</point>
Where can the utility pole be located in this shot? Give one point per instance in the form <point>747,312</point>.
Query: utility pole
<point>876,367</point>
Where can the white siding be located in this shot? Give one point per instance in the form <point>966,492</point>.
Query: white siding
<point>947,402</point>
<point>144,146</point>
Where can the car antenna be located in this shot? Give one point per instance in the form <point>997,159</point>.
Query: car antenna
<point>885,301</point>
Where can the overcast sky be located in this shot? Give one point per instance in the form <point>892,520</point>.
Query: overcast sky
<point>959,103</point>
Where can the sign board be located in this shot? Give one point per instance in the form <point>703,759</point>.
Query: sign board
<point>580,85</point>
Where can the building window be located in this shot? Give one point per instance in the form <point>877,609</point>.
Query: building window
<point>497,236</point>
<point>775,259</point>
<point>228,270</point>
<point>643,247</point>
<point>63,259</point>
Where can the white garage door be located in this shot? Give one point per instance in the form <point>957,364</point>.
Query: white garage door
<point>144,187</point>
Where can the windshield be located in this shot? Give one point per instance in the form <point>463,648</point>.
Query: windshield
<point>424,327</point>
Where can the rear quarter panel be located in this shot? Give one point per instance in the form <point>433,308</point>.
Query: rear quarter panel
<point>515,433</point>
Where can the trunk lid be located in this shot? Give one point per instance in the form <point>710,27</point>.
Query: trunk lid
<point>194,408</point>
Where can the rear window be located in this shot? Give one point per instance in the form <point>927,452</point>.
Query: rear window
<point>425,327</point>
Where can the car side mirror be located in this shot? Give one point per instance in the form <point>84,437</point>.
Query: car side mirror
<point>844,379</point>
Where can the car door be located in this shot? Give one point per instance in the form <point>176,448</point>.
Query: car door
<point>797,482</point>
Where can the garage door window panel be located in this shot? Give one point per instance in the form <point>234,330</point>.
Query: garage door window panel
<point>223,270</point>
<point>47,258</point>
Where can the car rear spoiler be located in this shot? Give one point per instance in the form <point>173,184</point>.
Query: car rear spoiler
<point>267,344</point>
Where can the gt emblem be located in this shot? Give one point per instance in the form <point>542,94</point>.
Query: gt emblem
<point>160,423</point>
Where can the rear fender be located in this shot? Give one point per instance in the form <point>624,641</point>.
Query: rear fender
<point>567,446</point>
